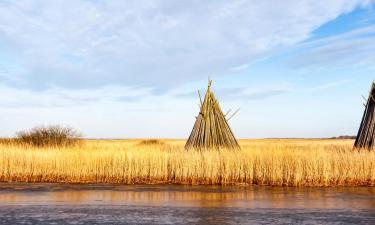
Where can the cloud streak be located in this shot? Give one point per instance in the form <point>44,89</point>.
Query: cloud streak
<point>55,98</point>
<point>330,85</point>
<point>86,44</point>
<point>244,93</point>
<point>354,48</point>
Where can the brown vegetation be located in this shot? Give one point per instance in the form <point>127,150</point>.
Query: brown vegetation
<point>366,133</point>
<point>44,136</point>
<point>211,128</point>
<point>151,142</point>
<point>262,162</point>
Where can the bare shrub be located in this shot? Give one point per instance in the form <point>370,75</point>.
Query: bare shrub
<point>151,142</point>
<point>7,141</point>
<point>49,136</point>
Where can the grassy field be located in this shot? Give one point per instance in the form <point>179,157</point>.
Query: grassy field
<point>284,162</point>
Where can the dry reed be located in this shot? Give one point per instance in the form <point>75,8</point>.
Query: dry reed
<point>211,128</point>
<point>262,162</point>
<point>366,133</point>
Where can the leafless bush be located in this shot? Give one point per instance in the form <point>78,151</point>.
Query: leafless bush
<point>151,142</point>
<point>49,136</point>
<point>7,141</point>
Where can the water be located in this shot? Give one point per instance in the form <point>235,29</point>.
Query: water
<point>173,204</point>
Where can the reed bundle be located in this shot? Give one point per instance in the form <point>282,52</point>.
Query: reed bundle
<point>366,133</point>
<point>211,128</point>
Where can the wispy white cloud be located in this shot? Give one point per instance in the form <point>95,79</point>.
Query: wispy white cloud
<point>84,44</point>
<point>11,97</point>
<point>354,49</point>
<point>245,93</point>
<point>116,68</point>
<point>329,85</point>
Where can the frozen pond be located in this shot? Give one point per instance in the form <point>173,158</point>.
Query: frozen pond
<point>174,204</point>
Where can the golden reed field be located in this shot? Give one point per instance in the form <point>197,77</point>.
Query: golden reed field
<point>286,162</point>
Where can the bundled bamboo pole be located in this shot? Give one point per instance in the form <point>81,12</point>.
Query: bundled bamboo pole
<point>366,133</point>
<point>211,128</point>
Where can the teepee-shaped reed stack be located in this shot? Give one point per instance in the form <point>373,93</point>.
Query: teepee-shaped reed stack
<point>211,129</point>
<point>366,133</point>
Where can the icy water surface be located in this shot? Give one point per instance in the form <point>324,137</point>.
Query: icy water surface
<point>173,204</point>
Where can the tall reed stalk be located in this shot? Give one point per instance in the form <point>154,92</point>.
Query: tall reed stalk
<point>262,162</point>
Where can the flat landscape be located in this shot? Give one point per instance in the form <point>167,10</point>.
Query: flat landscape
<point>187,112</point>
<point>273,162</point>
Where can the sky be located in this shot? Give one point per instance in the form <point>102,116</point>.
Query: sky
<point>131,69</point>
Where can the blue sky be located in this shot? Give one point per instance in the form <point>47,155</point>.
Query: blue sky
<point>128,69</point>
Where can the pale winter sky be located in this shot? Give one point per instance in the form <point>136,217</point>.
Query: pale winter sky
<point>127,69</point>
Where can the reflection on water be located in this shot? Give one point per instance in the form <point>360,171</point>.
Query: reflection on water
<point>189,196</point>
<point>172,203</point>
